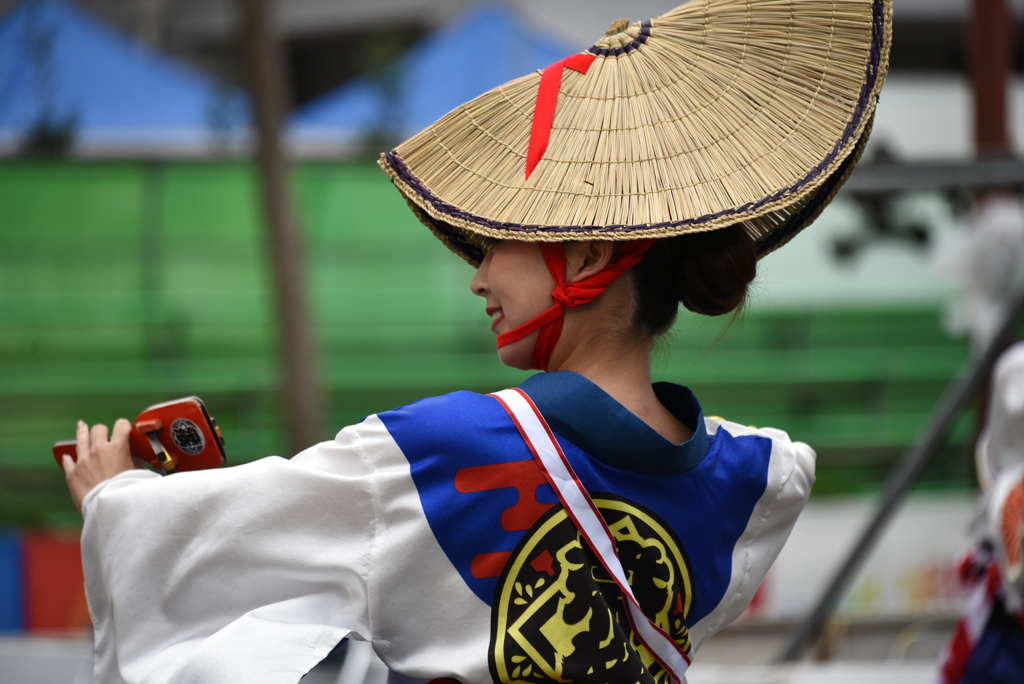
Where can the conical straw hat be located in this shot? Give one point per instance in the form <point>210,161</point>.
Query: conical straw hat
<point>718,112</point>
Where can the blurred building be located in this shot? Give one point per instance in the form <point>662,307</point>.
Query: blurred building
<point>925,112</point>
<point>72,84</point>
<point>329,42</point>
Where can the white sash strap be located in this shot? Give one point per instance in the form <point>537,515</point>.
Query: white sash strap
<point>588,520</point>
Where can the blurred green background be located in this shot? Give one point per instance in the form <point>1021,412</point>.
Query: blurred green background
<point>126,284</point>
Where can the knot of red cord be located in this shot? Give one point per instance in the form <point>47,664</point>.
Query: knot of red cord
<point>569,296</point>
<point>587,290</point>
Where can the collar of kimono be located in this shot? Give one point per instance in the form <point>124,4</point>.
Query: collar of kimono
<point>569,296</point>
<point>585,415</point>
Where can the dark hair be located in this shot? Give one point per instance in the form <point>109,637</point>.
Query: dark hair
<point>708,273</point>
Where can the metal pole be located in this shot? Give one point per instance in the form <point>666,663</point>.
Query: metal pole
<point>301,394</point>
<point>910,466</point>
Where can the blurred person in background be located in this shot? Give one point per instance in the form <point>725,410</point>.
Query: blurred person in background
<point>988,644</point>
<point>588,526</point>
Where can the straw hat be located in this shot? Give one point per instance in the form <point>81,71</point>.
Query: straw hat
<point>718,112</point>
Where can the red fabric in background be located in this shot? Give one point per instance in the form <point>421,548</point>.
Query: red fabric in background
<point>54,599</point>
<point>760,602</point>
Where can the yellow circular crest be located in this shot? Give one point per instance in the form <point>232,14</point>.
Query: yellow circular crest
<point>558,616</point>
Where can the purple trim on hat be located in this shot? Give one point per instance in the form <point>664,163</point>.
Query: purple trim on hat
<point>645,33</point>
<point>403,172</point>
<point>797,222</point>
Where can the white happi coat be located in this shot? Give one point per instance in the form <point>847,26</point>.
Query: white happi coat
<point>426,531</point>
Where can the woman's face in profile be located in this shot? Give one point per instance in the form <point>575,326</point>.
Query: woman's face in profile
<point>516,285</point>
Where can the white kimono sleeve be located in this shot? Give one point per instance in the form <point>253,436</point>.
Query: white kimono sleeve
<point>244,574</point>
<point>790,477</point>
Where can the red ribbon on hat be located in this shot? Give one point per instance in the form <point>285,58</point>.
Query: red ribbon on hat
<point>566,295</point>
<point>569,296</point>
<point>547,98</point>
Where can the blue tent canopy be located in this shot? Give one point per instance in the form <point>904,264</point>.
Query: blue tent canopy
<point>484,47</point>
<point>59,66</point>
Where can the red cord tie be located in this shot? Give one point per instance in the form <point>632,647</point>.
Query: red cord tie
<point>566,295</point>
<point>570,296</point>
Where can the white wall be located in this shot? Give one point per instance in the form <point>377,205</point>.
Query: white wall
<point>931,116</point>
<point>919,118</point>
<point>911,573</point>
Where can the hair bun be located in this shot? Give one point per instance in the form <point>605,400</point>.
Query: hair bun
<point>715,269</point>
<point>708,272</point>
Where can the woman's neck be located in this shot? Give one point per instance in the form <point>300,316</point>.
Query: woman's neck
<point>620,368</point>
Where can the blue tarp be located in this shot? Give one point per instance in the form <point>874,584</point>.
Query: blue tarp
<point>484,47</point>
<point>59,64</point>
<point>11,582</point>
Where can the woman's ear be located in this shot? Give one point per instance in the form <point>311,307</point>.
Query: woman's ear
<point>585,258</point>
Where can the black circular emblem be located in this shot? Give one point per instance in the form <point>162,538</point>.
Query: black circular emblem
<point>558,616</point>
<point>187,436</point>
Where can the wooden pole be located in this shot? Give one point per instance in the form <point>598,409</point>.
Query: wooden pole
<point>301,395</point>
<point>991,45</point>
<point>991,41</point>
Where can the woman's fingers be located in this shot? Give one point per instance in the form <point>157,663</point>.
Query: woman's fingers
<point>99,435</point>
<point>122,428</point>
<point>120,453</point>
<point>82,436</point>
<point>101,456</point>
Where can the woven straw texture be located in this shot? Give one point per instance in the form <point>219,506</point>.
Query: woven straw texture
<point>719,112</point>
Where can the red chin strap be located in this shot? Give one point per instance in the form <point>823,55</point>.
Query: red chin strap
<point>569,296</point>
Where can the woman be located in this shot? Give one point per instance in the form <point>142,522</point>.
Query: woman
<point>587,526</point>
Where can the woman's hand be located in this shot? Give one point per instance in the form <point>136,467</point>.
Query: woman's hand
<point>99,458</point>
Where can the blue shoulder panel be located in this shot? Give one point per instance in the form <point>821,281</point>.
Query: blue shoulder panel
<point>481,490</point>
<point>442,436</point>
<point>707,508</point>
